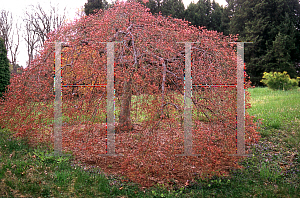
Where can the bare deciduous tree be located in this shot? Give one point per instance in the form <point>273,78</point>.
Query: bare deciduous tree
<point>6,21</point>
<point>38,24</point>
<point>31,38</point>
<point>11,36</point>
<point>14,47</point>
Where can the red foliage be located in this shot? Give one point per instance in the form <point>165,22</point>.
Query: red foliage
<point>147,43</point>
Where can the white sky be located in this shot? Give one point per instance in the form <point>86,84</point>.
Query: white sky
<point>18,7</point>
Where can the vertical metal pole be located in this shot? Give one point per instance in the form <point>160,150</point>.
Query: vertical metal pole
<point>188,142</point>
<point>240,100</point>
<point>110,100</point>
<point>187,123</point>
<point>58,101</point>
<point>110,109</point>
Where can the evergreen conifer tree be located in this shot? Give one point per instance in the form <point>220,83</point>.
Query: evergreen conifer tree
<point>273,27</point>
<point>94,5</point>
<point>4,68</point>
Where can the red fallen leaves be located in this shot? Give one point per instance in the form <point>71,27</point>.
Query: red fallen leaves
<point>152,159</point>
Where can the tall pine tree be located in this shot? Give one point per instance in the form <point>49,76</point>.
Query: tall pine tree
<point>93,6</point>
<point>199,13</point>
<point>273,27</point>
<point>4,68</point>
<point>206,13</point>
<point>174,8</point>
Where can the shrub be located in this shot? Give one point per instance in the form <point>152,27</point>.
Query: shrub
<point>279,81</point>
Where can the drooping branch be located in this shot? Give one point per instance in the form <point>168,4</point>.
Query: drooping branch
<point>163,87</point>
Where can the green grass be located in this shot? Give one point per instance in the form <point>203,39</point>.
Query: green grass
<point>138,113</point>
<point>35,172</point>
<point>275,107</point>
<point>273,170</point>
<point>278,111</point>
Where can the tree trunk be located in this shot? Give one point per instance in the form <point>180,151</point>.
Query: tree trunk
<point>124,119</point>
<point>15,69</point>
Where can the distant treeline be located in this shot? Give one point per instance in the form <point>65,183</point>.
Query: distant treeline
<point>272,25</point>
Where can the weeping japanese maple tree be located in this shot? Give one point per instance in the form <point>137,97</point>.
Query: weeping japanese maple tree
<point>149,68</point>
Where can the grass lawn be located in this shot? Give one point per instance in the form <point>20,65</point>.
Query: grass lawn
<point>272,171</point>
<point>278,111</point>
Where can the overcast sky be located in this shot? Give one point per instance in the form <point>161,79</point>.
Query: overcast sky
<point>18,7</point>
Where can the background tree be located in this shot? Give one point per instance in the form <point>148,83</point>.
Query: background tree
<point>216,17</point>
<point>199,13</point>
<point>32,40</point>
<point>203,13</point>
<point>174,8</point>
<point>206,13</point>
<point>153,5</point>
<point>11,37</point>
<point>92,6</point>
<point>6,23</point>
<point>226,16</point>
<point>14,43</point>
<point>38,24</point>
<point>273,26</point>
<point>4,68</point>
